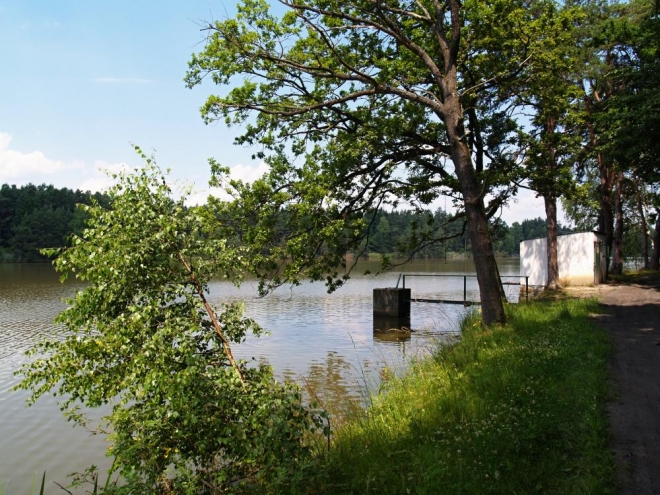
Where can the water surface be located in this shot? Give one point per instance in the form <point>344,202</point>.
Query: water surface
<point>323,341</point>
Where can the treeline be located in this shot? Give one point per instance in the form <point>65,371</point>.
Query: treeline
<point>34,217</point>
<point>435,235</point>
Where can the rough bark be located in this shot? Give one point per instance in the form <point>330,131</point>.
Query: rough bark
<point>617,237</point>
<point>655,257</point>
<point>551,223</point>
<point>605,199</point>
<point>550,201</point>
<point>643,225</point>
<point>606,175</point>
<point>492,308</point>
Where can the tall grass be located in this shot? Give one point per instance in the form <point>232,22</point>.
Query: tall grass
<point>32,490</point>
<point>512,410</point>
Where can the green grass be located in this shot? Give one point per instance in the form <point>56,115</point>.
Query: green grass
<point>518,409</point>
<point>512,410</point>
<point>637,276</point>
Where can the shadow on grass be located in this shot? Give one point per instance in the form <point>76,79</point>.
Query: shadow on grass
<point>516,409</point>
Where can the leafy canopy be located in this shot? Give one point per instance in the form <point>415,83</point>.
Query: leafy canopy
<point>348,104</point>
<point>143,339</point>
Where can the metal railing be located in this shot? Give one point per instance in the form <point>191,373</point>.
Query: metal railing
<point>464,302</point>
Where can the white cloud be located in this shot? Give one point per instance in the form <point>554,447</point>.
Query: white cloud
<point>527,206</point>
<point>16,165</point>
<point>101,177</point>
<point>248,173</point>
<point>19,168</point>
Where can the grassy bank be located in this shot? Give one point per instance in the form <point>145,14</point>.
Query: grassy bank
<point>511,410</point>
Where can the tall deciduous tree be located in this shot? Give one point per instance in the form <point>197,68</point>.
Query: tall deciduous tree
<point>621,108</point>
<point>365,103</point>
<point>632,115</point>
<point>550,91</point>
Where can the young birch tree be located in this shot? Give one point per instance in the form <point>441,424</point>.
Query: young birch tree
<point>143,339</point>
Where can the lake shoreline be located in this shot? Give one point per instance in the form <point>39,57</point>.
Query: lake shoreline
<point>513,409</point>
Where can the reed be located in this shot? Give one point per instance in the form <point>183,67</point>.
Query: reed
<point>3,488</point>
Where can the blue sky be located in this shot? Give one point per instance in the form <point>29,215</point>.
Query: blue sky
<point>81,80</point>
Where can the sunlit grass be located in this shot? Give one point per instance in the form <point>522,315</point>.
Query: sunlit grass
<point>518,409</point>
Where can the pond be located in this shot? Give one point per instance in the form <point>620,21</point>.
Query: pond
<point>323,341</point>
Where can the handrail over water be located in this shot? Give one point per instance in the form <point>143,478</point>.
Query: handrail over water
<point>464,302</point>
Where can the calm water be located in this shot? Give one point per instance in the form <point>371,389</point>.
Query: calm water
<point>324,341</point>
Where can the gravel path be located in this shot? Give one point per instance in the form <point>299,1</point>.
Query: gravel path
<point>633,320</point>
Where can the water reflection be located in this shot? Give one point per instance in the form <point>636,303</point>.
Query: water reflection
<point>325,342</point>
<point>391,328</point>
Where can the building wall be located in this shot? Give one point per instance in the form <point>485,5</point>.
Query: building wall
<point>575,257</point>
<point>534,261</point>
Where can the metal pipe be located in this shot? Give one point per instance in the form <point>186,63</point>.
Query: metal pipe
<point>526,288</point>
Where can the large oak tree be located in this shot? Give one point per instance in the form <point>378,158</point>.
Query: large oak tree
<point>360,104</point>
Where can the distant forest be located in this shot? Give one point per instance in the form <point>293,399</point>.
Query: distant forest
<point>393,232</point>
<point>35,217</point>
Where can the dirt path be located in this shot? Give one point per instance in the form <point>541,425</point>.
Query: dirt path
<point>632,317</point>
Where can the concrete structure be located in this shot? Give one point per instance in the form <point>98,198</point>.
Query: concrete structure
<point>581,259</point>
<point>392,302</point>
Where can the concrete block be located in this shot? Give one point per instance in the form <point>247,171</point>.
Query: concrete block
<point>392,302</point>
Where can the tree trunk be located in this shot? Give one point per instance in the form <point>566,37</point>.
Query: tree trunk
<point>606,219</point>
<point>643,224</point>
<point>617,240</point>
<point>655,257</point>
<point>551,222</point>
<point>550,201</point>
<point>492,307</point>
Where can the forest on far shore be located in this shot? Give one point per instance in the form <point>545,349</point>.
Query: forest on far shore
<point>394,233</point>
<point>35,217</point>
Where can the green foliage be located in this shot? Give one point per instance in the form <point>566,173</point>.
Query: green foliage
<point>37,217</point>
<point>142,338</point>
<point>362,106</point>
<point>630,126</point>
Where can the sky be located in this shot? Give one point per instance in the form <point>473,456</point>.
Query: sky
<point>83,80</point>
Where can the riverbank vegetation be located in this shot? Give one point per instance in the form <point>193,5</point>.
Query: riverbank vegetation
<point>513,409</point>
<point>142,339</point>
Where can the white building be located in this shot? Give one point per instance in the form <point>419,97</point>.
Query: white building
<point>581,259</point>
